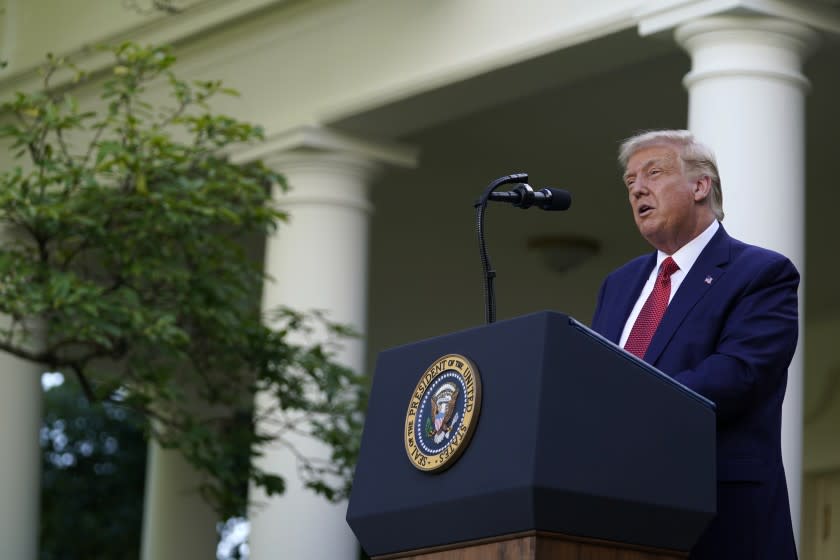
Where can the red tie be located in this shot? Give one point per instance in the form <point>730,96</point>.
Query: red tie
<point>652,311</point>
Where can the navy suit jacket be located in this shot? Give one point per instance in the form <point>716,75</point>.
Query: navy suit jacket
<point>729,334</point>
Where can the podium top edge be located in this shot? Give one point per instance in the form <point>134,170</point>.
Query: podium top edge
<point>643,364</point>
<point>563,317</point>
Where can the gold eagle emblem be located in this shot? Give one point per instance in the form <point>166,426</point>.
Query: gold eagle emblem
<point>443,403</point>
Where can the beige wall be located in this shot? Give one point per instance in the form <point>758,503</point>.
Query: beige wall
<point>313,61</point>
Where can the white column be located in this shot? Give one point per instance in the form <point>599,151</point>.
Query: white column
<point>21,413</point>
<point>747,101</point>
<point>177,523</point>
<point>318,260</point>
<point>20,457</point>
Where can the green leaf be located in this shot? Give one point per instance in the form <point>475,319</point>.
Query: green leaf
<point>131,243</point>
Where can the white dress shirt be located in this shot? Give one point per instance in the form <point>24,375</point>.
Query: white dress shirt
<point>685,258</point>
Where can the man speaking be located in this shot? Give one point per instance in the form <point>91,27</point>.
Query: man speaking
<point>720,317</point>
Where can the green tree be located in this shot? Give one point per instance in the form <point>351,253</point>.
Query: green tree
<point>124,263</point>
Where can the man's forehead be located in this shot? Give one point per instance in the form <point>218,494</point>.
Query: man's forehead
<point>644,157</point>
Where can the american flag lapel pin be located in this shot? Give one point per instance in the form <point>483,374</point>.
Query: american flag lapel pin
<point>708,280</point>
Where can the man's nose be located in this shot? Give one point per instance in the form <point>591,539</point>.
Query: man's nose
<point>638,188</point>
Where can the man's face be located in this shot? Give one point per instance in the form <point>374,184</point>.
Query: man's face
<point>663,199</point>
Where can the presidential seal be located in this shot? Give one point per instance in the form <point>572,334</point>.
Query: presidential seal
<point>442,413</point>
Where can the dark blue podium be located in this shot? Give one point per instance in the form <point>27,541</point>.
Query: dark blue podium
<point>577,444</point>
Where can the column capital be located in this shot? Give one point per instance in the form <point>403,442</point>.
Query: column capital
<point>764,47</point>
<point>660,16</point>
<point>322,140</point>
<point>326,167</point>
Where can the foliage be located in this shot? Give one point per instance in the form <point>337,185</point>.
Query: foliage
<point>93,461</point>
<point>125,264</point>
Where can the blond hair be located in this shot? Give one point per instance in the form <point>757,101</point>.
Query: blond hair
<point>696,158</point>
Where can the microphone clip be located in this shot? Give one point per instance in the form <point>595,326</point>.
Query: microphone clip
<point>527,197</point>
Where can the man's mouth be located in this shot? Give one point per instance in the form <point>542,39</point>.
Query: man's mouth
<point>644,210</point>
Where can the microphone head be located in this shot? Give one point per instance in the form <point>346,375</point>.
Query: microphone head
<point>555,199</point>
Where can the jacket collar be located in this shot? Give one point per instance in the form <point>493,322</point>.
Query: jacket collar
<point>707,270</point>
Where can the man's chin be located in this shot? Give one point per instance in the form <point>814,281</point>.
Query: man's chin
<point>646,228</point>
<point>650,234</point>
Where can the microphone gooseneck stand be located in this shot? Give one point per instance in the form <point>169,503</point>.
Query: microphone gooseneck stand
<point>489,273</point>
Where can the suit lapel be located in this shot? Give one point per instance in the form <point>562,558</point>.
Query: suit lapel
<point>708,268</point>
<point>632,282</point>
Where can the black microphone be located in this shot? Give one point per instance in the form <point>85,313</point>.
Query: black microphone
<point>523,196</point>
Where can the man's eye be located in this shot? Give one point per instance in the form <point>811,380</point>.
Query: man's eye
<point>655,171</point>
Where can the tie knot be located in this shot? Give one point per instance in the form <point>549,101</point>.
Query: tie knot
<point>668,267</point>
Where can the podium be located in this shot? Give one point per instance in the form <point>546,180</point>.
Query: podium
<point>579,450</point>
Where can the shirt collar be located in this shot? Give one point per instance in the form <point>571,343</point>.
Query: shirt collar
<point>686,256</point>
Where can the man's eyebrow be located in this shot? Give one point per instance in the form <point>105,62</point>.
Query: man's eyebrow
<point>647,164</point>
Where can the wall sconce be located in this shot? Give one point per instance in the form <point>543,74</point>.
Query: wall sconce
<point>563,252</point>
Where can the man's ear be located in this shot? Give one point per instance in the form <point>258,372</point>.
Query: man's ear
<point>702,188</point>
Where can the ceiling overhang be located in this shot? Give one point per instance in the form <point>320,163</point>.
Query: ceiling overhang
<point>664,15</point>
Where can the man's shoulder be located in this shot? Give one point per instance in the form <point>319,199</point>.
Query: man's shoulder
<point>747,254</point>
<point>740,253</point>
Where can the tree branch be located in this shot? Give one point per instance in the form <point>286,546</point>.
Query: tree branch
<point>36,357</point>
<point>84,383</point>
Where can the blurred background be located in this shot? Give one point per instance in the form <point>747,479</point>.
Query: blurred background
<point>388,118</point>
